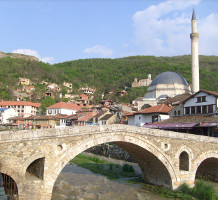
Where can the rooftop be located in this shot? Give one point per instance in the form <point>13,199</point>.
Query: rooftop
<point>169,78</point>
<point>19,103</point>
<point>71,106</point>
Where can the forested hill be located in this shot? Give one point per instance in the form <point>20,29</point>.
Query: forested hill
<point>115,74</point>
<point>103,74</point>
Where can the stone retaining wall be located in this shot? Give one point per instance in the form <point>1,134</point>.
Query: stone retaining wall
<point>111,150</point>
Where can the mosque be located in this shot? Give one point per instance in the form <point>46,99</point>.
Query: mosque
<point>170,84</point>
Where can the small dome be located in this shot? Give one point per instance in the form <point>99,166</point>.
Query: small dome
<point>169,78</point>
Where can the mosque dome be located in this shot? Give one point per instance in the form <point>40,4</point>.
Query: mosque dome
<point>169,78</point>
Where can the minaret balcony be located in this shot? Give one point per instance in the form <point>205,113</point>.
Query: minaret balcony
<point>194,35</point>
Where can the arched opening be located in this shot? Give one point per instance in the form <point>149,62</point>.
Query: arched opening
<point>8,188</point>
<point>36,168</point>
<point>153,171</point>
<point>208,170</point>
<point>184,161</point>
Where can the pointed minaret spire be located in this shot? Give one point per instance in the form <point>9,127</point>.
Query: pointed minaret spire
<point>193,15</point>
<point>195,58</point>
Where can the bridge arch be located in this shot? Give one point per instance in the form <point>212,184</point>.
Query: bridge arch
<point>120,139</point>
<point>207,156</point>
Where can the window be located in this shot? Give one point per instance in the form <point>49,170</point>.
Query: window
<point>154,118</point>
<point>184,161</point>
<point>49,112</point>
<point>187,111</point>
<point>193,110</point>
<point>204,99</point>
<point>210,109</point>
<point>139,117</point>
<point>198,109</point>
<point>179,112</point>
<point>204,109</point>
<point>201,99</point>
<point>174,112</point>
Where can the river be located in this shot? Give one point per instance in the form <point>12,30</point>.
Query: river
<point>76,183</point>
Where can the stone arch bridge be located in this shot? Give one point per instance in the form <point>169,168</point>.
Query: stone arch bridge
<point>34,158</point>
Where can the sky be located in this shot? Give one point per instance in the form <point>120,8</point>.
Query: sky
<point>62,30</point>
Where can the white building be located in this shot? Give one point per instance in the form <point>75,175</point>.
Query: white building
<point>62,108</point>
<point>149,115</point>
<point>6,113</point>
<point>202,102</point>
<point>24,108</point>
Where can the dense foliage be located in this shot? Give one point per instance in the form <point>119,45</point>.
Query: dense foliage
<point>103,74</point>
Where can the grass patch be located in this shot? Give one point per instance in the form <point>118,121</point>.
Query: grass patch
<point>203,190</point>
<point>97,166</point>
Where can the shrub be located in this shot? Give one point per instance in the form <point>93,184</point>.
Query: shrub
<point>184,188</point>
<point>204,190</point>
<point>128,168</point>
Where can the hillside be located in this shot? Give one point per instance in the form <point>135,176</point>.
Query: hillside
<point>103,74</point>
<point>114,74</point>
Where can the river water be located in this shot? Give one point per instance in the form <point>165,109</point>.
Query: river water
<point>76,183</point>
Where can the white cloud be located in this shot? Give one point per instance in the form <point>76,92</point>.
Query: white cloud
<point>164,29</point>
<point>100,51</point>
<point>34,53</point>
<point>208,35</point>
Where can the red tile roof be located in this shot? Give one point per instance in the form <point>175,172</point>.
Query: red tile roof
<point>84,96</point>
<point>85,118</point>
<point>71,106</point>
<point>160,108</point>
<point>19,103</point>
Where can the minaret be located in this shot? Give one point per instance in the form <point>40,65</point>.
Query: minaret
<point>195,60</point>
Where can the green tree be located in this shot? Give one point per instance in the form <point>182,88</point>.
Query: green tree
<point>48,101</point>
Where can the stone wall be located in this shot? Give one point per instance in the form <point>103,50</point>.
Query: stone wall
<point>112,151</point>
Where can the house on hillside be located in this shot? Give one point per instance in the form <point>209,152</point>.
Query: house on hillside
<point>6,113</point>
<point>28,88</point>
<point>106,102</point>
<point>122,93</point>
<point>63,108</point>
<point>69,85</point>
<point>149,115</point>
<point>142,82</point>
<point>24,108</point>
<point>83,100</point>
<point>53,87</point>
<point>87,90</point>
<point>24,81</point>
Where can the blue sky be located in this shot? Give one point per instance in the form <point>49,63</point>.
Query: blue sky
<point>62,30</point>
